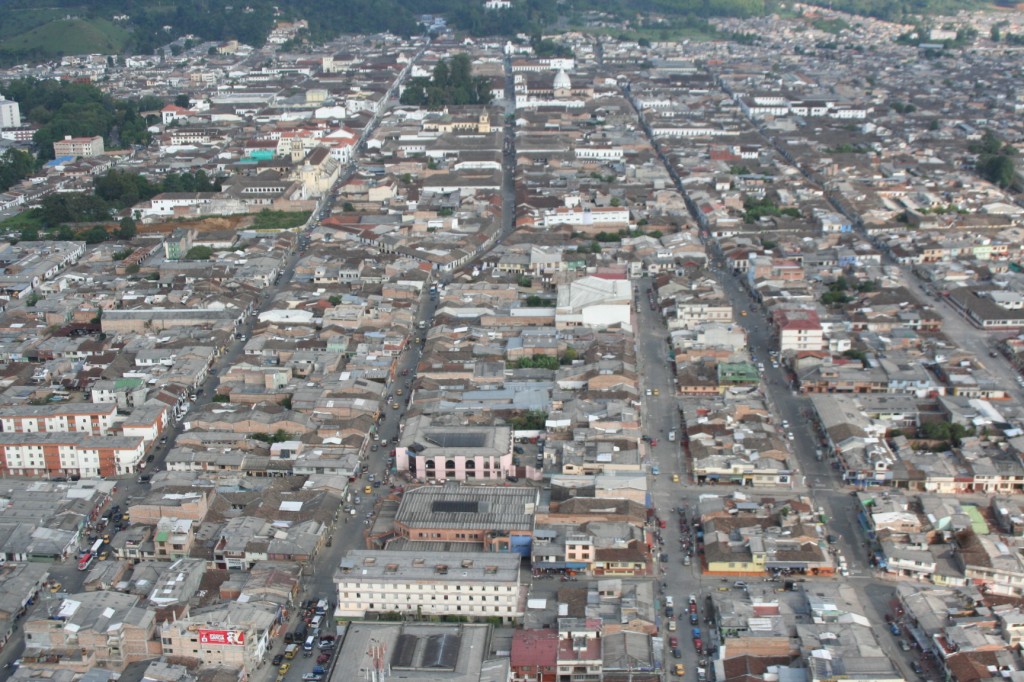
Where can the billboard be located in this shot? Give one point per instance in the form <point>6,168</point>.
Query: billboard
<point>218,637</point>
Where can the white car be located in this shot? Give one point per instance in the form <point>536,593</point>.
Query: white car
<point>790,435</point>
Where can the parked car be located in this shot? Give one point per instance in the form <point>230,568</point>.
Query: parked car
<point>894,628</point>
<point>277,660</point>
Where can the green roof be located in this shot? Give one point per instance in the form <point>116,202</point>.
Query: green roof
<point>737,373</point>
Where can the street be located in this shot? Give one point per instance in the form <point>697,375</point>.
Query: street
<point>822,484</point>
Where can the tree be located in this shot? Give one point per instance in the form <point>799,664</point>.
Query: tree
<point>534,420</point>
<point>199,253</point>
<point>126,229</point>
<point>569,355</point>
<point>96,234</point>
<point>183,101</point>
<point>15,166</point>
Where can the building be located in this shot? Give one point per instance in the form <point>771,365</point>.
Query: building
<point>19,585</point>
<point>499,519</point>
<point>90,630</point>
<point>78,146</point>
<point>234,635</point>
<point>426,652</point>
<point>471,584</point>
<point>445,452</point>
<point>69,454</point>
<point>95,420</point>
<point>10,114</point>
<point>799,330</point>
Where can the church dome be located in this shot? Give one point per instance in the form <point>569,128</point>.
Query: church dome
<point>562,81</point>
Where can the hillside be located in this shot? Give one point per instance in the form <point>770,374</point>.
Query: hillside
<point>65,37</point>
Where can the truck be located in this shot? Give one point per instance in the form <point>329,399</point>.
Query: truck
<point>85,561</point>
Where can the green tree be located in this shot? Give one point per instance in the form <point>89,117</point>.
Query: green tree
<point>96,234</point>
<point>15,166</point>
<point>183,101</point>
<point>199,253</point>
<point>126,229</point>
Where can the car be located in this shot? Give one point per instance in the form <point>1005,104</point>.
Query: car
<point>904,645</point>
<point>373,448</point>
<point>394,406</point>
<point>669,612</point>
<point>916,667</point>
<point>323,658</point>
<point>671,626</point>
<point>56,587</point>
<point>679,670</point>
<point>831,539</point>
<point>648,392</point>
<point>673,642</point>
<point>277,660</point>
<point>696,633</point>
<point>790,435</point>
<point>743,313</point>
<point>399,392</point>
<point>785,423</point>
<point>894,628</point>
<point>285,667</point>
<point>654,442</point>
<point>694,618</point>
<point>740,584</point>
<point>312,677</point>
<point>675,478</point>
<point>692,601</point>
<point>150,458</point>
<point>657,391</point>
<point>698,645</point>
<point>677,653</point>
<point>103,556</point>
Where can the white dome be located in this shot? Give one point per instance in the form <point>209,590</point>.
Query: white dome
<point>562,81</point>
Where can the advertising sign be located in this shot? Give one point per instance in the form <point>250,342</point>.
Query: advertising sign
<point>216,637</point>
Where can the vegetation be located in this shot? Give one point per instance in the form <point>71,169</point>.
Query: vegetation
<point>534,420</point>
<point>537,362</point>
<point>759,208</point>
<point>278,436</point>
<point>199,253</point>
<point>836,294</point>
<point>221,398</point>
<point>534,301</point>
<point>996,161</point>
<point>113,191</point>
<point>945,431</point>
<point>15,166</point>
<point>66,108</point>
<point>60,36</point>
<point>279,220</point>
<point>451,82</point>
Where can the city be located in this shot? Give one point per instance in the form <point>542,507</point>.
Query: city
<point>561,358</point>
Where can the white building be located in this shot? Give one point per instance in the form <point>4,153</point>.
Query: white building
<point>594,302</point>
<point>95,420</point>
<point>470,584</point>
<point>10,114</point>
<point>66,454</point>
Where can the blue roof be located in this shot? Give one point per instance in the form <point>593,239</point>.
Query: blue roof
<point>60,161</point>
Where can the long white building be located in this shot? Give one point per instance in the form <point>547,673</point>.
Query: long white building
<point>471,584</point>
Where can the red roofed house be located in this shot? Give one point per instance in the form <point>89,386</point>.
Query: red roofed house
<point>534,656</point>
<point>172,113</point>
<point>799,330</point>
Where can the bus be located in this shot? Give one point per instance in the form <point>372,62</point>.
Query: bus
<point>96,546</point>
<point>85,561</point>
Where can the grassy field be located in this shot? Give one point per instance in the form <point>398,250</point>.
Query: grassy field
<point>18,21</point>
<point>68,36</point>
